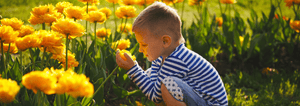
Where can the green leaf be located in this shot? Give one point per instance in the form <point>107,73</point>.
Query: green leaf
<point>237,42</point>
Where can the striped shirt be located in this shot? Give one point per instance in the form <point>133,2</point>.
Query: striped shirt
<point>186,65</point>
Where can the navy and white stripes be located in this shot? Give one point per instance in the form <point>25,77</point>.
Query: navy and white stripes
<point>186,65</point>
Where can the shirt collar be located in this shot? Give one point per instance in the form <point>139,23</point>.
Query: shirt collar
<point>159,59</point>
<point>178,48</point>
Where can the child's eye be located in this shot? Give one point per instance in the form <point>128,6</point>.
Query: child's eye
<point>143,44</point>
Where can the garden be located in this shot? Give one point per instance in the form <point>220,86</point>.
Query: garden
<point>62,52</point>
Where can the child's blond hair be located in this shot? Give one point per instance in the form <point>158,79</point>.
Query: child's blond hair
<point>159,19</point>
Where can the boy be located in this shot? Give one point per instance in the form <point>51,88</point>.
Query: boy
<point>177,76</point>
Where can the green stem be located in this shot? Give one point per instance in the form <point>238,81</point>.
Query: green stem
<point>43,58</point>
<point>86,24</point>
<point>44,26</point>
<point>21,62</point>
<point>58,101</point>
<point>105,80</point>
<point>295,11</point>
<point>220,7</point>
<point>145,1</point>
<point>115,18</point>
<point>2,57</point>
<point>95,37</point>
<point>124,25</point>
<point>32,58</point>
<point>39,97</point>
<point>182,9</point>
<point>67,47</point>
<point>7,58</point>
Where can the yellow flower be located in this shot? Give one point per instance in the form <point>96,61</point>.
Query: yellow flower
<point>40,80</point>
<point>15,23</point>
<point>74,84</point>
<point>228,1</point>
<point>102,32</point>
<point>35,20</point>
<point>96,16</point>
<point>55,49</point>
<point>219,21</point>
<point>195,2</point>
<point>44,14</point>
<point>62,58</point>
<point>127,2</point>
<point>50,38</point>
<point>128,28</point>
<point>266,70</point>
<point>90,1</point>
<point>60,6</point>
<point>8,90</point>
<point>142,2</point>
<point>106,11</point>
<point>74,12</point>
<point>169,2</point>
<point>241,39</point>
<point>113,1</point>
<point>125,12</point>
<point>30,41</point>
<point>12,48</point>
<point>25,30</point>
<point>295,25</point>
<point>91,8</point>
<point>68,27</point>
<point>122,44</point>
<point>125,51</point>
<point>290,3</point>
<point>179,1</point>
<point>138,103</point>
<point>7,34</point>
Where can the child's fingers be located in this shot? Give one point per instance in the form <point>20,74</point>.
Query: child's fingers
<point>127,56</point>
<point>118,58</point>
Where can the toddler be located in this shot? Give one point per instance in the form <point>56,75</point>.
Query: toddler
<point>178,76</point>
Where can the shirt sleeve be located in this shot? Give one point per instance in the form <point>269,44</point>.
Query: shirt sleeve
<point>149,87</point>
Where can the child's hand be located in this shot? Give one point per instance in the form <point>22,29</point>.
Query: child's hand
<point>125,64</point>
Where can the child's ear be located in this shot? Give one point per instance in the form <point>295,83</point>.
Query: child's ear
<point>167,40</point>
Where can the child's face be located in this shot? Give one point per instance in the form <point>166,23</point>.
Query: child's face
<point>151,47</point>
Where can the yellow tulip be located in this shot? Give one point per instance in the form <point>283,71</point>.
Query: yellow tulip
<point>219,21</point>
<point>228,1</point>
<point>96,16</point>
<point>295,25</point>
<point>25,30</point>
<point>127,2</point>
<point>44,14</point>
<point>74,12</point>
<point>90,1</point>
<point>8,90</point>
<point>169,2</point>
<point>106,11</point>
<point>113,1</point>
<point>40,80</point>
<point>68,27</point>
<point>101,33</point>
<point>7,34</point>
<point>15,23</point>
<point>12,48</point>
<point>125,51</point>
<point>60,6</point>
<point>125,12</point>
<point>128,28</point>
